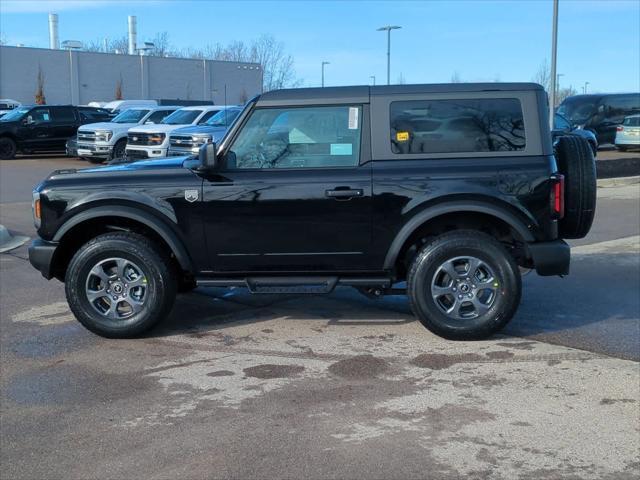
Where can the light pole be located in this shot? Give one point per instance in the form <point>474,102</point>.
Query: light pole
<point>554,51</point>
<point>323,64</point>
<point>388,29</point>
<point>70,46</point>
<point>142,51</point>
<point>373,78</point>
<point>584,89</point>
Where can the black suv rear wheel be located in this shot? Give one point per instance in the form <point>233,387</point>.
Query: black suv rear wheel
<point>464,285</point>
<point>119,285</point>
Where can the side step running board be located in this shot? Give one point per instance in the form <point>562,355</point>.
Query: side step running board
<point>296,285</point>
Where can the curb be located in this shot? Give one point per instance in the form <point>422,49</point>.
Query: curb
<point>618,181</point>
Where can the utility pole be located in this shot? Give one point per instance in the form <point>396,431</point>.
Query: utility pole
<point>554,51</point>
<point>388,29</point>
<point>323,64</point>
<point>373,78</point>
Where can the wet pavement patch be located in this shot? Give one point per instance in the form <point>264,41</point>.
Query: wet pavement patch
<point>438,361</point>
<point>361,366</point>
<point>518,345</point>
<point>220,373</point>
<point>49,341</point>
<point>267,371</point>
<point>72,384</point>
<point>499,355</point>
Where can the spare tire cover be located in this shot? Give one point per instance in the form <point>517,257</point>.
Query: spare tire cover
<point>576,162</point>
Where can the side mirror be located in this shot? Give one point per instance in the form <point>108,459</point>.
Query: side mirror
<point>208,157</point>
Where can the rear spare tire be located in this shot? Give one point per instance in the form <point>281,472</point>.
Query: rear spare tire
<point>576,162</point>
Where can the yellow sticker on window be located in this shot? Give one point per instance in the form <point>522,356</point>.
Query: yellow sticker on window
<point>402,136</point>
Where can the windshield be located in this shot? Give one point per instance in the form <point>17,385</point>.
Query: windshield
<point>130,116</point>
<point>223,118</point>
<point>182,117</point>
<point>16,114</point>
<point>578,110</point>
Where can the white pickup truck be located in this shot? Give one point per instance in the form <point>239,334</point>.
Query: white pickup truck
<point>152,141</point>
<point>98,142</point>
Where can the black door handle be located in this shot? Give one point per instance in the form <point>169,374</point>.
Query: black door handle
<point>344,193</point>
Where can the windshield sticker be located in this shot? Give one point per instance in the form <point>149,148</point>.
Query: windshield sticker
<point>341,149</point>
<point>353,118</point>
<point>402,136</point>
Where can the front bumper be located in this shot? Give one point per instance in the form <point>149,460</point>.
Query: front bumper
<point>180,152</point>
<point>41,255</point>
<point>93,150</point>
<point>550,258</point>
<point>137,153</point>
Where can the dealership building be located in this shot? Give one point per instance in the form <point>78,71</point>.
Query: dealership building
<point>77,77</point>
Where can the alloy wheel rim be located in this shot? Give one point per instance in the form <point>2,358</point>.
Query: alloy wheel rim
<point>116,288</point>
<point>464,287</point>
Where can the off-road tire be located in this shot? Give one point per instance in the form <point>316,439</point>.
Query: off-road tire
<point>160,283</point>
<point>459,244</point>
<point>8,148</point>
<point>577,164</point>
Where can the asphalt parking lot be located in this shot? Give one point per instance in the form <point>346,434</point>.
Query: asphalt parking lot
<point>240,386</point>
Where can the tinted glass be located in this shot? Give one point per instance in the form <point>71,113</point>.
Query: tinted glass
<point>63,114</point>
<point>130,116</point>
<point>158,116</point>
<point>457,126</point>
<point>578,110</point>
<point>305,137</point>
<point>182,117</point>
<point>207,116</point>
<point>15,114</point>
<point>224,117</point>
<point>560,122</point>
<point>40,115</point>
<point>632,122</point>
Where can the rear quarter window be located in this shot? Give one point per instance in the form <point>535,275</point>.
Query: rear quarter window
<point>457,126</point>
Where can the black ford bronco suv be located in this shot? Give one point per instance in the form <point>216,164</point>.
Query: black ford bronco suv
<point>449,188</point>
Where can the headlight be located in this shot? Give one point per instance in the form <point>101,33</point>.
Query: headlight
<point>156,138</point>
<point>35,207</point>
<point>103,135</point>
<point>201,140</point>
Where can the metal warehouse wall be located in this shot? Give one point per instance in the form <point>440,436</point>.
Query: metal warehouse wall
<point>82,77</point>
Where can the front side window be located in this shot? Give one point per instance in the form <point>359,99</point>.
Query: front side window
<point>304,137</point>
<point>457,126</point>
<point>207,116</point>
<point>223,118</point>
<point>40,115</point>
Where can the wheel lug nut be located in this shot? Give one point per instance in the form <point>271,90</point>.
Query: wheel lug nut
<point>455,289</point>
<point>460,297</point>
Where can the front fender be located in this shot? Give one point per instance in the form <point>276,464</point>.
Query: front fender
<point>161,227</point>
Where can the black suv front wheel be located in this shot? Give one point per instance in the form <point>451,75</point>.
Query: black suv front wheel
<point>119,285</point>
<point>464,285</point>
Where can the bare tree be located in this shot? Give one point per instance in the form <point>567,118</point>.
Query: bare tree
<point>455,78</point>
<point>118,93</point>
<point>543,75</point>
<point>161,45</point>
<point>40,98</point>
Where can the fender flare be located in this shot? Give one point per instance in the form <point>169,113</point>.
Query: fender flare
<point>157,225</point>
<point>453,207</point>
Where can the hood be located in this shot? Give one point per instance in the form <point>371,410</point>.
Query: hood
<point>104,126</point>
<point>160,163</point>
<point>156,128</point>
<point>216,132</point>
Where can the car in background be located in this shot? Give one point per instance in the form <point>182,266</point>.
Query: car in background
<point>117,106</point>
<point>38,128</point>
<point>102,141</point>
<point>628,134</point>
<point>188,140</point>
<point>152,141</point>
<point>562,126</point>
<point>600,113</point>
<point>6,105</point>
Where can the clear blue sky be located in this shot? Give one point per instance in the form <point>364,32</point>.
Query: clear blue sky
<point>599,40</point>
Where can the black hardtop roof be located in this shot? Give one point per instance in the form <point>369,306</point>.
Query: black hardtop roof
<point>362,92</point>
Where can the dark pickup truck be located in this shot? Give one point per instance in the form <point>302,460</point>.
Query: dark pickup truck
<point>37,128</point>
<point>440,192</point>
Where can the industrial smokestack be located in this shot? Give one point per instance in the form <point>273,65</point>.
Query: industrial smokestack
<point>133,35</point>
<point>54,43</point>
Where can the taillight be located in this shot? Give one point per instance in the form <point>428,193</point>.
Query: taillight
<point>557,196</point>
<point>620,128</point>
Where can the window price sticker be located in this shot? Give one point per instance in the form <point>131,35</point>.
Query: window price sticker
<point>353,118</point>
